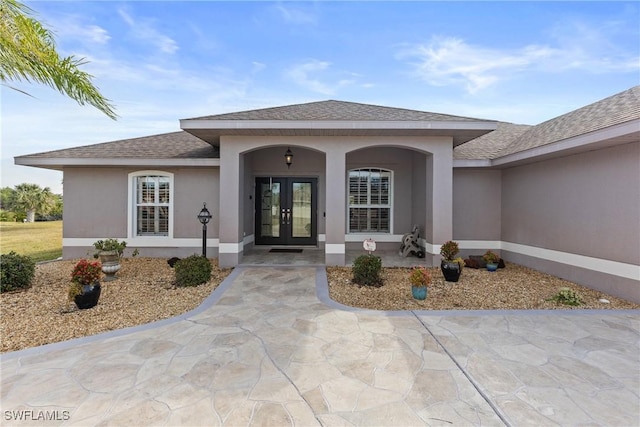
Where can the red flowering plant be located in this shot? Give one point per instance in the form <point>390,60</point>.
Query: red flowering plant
<point>84,273</point>
<point>420,276</point>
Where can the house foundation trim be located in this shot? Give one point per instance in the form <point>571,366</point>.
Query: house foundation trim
<point>144,242</point>
<point>614,268</point>
<point>230,248</point>
<point>334,248</point>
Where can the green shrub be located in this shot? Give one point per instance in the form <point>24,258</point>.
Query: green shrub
<point>366,270</point>
<point>192,271</point>
<point>7,216</point>
<point>16,271</point>
<point>567,296</point>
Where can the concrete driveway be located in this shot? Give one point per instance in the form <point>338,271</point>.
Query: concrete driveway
<point>269,348</point>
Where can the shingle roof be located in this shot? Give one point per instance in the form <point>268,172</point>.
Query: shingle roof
<point>488,146</point>
<point>507,139</point>
<point>614,110</point>
<point>336,110</point>
<point>174,145</point>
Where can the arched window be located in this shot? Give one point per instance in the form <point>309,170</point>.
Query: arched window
<point>151,203</point>
<point>370,200</point>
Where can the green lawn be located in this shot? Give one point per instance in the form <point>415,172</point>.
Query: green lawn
<point>42,241</point>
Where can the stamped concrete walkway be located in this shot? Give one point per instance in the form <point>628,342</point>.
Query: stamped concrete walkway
<point>269,348</point>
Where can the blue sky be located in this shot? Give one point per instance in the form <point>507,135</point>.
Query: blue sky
<point>520,62</point>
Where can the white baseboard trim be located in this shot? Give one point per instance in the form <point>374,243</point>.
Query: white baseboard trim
<point>361,237</point>
<point>615,268</point>
<point>230,248</point>
<point>144,242</point>
<point>334,248</point>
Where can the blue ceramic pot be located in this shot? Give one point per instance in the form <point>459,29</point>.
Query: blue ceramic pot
<point>419,292</point>
<point>492,267</point>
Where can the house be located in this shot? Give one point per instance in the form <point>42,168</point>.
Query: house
<point>562,197</point>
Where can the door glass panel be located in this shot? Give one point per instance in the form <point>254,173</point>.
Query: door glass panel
<point>301,209</point>
<point>270,206</point>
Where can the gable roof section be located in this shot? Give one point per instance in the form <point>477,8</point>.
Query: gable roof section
<point>174,148</point>
<point>615,110</point>
<point>336,118</point>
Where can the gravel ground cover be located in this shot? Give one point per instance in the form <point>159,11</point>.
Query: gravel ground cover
<point>512,288</point>
<point>144,292</point>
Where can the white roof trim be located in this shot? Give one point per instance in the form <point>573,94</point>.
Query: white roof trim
<point>59,163</point>
<point>471,163</point>
<point>334,124</point>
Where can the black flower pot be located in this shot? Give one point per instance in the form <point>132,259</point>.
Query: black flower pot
<point>89,297</point>
<point>450,270</point>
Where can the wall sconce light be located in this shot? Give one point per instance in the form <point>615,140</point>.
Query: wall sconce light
<point>288,157</point>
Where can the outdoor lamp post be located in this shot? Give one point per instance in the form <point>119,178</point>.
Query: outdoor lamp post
<point>204,216</point>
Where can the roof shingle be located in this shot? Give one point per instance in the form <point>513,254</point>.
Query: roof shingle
<point>173,145</point>
<point>614,110</point>
<point>336,110</point>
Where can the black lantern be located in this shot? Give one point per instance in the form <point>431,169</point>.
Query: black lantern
<point>288,157</point>
<point>204,216</point>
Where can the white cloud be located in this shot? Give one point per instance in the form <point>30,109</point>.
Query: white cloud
<point>144,31</point>
<point>448,61</point>
<point>305,75</point>
<point>295,15</point>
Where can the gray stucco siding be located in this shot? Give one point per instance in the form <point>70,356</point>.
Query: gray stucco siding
<point>586,204</point>
<point>95,202</point>
<point>476,204</point>
<point>97,206</point>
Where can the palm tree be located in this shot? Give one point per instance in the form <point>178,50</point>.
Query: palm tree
<point>27,52</point>
<point>32,198</point>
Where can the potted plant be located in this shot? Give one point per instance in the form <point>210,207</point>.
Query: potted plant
<point>110,251</point>
<point>492,260</point>
<point>85,283</point>
<point>450,266</point>
<point>420,278</point>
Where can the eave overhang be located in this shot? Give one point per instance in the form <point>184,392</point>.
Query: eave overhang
<point>211,130</point>
<point>61,163</point>
<point>612,136</point>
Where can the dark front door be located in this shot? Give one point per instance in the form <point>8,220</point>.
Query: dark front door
<point>286,211</point>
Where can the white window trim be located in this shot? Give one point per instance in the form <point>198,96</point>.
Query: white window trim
<point>391,206</point>
<point>131,197</point>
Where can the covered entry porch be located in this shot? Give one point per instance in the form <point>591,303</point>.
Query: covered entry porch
<point>257,255</point>
<point>331,142</point>
<point>336,193</point>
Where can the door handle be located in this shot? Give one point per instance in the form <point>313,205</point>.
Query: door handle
<point>285,216</point>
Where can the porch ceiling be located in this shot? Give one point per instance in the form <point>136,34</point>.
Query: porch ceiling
<point>211,130</point>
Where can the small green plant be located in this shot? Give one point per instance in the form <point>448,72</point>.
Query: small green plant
<point>192,271</point>
<point>449,250</point>
<point>109,245</point>
<point>490,257</point>
<point>567,296</point>
<point>366,270</point>
<point>16,271</point>
<point>85,272</point>
<point>420,276</point>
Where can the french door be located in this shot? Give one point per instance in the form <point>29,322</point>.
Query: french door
<point>286,211</point>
